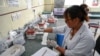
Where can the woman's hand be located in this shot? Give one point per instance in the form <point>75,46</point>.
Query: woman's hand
<point>52,43</point>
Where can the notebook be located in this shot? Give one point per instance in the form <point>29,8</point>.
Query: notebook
<point>45,51</point>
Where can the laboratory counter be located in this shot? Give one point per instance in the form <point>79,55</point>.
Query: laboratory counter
<point>33,45</point>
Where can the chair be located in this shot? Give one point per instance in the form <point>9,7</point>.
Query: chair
<point>97,46</point>
<point>96,26</point>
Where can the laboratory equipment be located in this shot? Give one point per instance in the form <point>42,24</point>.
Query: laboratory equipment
<point>30,33</point>
<point>3,46</point>
<point>19,39</point>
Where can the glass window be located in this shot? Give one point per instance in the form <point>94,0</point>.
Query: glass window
<point>90,3</point>
<point>93,3</point>
<point>73,2</point>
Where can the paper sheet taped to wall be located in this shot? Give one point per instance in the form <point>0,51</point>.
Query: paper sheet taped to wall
<point>2,3</point>
<point>44,51</point>
<point>13,3</point>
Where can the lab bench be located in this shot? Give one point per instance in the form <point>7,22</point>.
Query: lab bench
<point>33,45</point>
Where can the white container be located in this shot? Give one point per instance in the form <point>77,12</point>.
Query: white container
<point>31,36</point>
<point>12,34</point>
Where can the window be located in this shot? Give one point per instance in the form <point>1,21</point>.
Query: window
<point>93,3</point>
<point>73,2</point>
<point>90,3</point>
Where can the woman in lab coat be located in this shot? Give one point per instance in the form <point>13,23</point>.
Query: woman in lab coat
<point>78,39</point>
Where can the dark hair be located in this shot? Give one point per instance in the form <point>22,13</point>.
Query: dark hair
<point>85,7</point>
<point>76,11</point>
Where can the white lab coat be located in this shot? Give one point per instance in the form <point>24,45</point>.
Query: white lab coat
<point>86,23</point>
<point>82,43</point>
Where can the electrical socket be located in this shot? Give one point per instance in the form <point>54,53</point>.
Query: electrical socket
<point>34,10</point>
<point>1,35</point>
